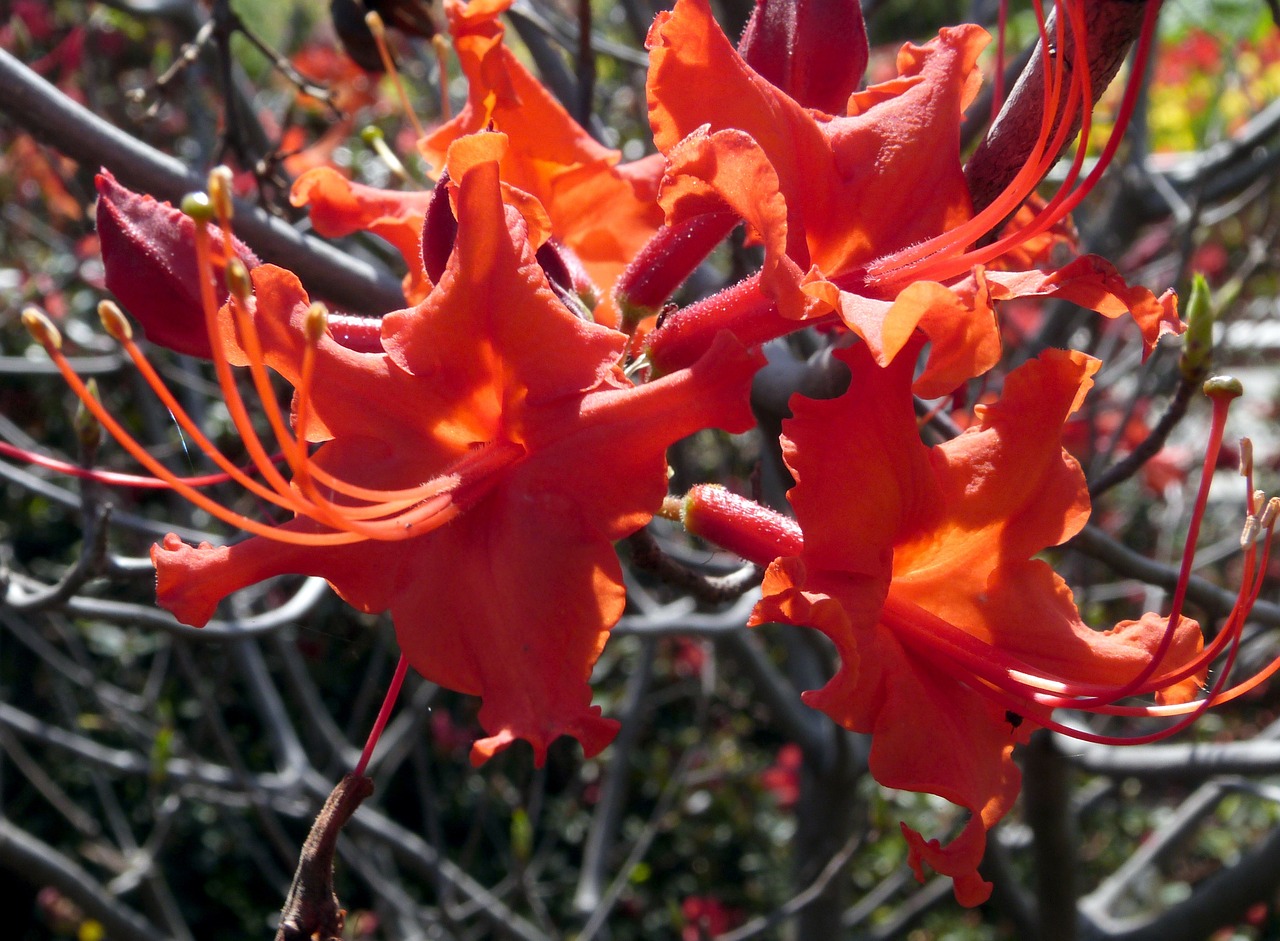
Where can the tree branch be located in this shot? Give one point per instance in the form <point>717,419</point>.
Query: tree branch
<point>38,107</point>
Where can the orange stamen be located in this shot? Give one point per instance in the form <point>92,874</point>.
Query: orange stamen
<point>379,31</point>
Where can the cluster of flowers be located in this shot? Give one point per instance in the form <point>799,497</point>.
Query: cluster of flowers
<point>468,462</point>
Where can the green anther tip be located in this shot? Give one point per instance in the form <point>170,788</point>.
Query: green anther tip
<point>198,206</point>
<point>1228,387</point>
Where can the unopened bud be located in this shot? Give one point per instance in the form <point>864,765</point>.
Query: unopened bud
<point>41,328</point>
<point>238,281</point>
<point>198,207</point>
<point>88,430</point>
<point>1223,387</point>
<point>1197,342</point>
<point>316,323</point>
<point>756,533</point>
<point>220,186</point>
<point>114,321</point>
<point>1246,457</point>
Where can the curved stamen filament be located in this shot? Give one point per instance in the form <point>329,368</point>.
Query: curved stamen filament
<point>140,454</point>
<point>1221,406</point>
<point>395,514</point>
<point>998,677</point>
<point>379,31</point>
<point>110,478</point>
<point>932,259</point>
<point>479,465</point>
<point>897,265</point>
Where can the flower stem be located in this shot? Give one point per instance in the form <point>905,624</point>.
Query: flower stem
<point>393,693</point>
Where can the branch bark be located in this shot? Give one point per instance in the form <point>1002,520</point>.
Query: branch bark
<point>34,105</point>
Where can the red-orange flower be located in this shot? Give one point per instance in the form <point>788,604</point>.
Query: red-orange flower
<point>917,563</point>
<point>865,214</point>
<point>472,472</point>
<point>603,210</point>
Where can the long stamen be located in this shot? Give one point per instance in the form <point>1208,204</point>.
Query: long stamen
<point>110,478</point>
<point>316,507</point>
<point>441,49</point>
<point>1065,202</point>
<point>117,325</point>
<point>1223,391</point>
<point>932,259</point>
<point>896,265</point>
<point>47,335</point>
<point>379,31</point>
<point>384,714</point>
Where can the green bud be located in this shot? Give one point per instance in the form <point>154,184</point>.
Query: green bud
<point>88,431</point>
<point>1197,342</point>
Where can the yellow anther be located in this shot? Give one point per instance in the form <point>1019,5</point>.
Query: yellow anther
<point>316,323</point>
<point>238,281</point>
<point>114,321</point>
<point>220,186</point>
<point>41,327</point>
<point>374,22</point>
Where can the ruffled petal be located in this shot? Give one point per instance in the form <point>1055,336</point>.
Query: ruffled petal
<point>510,603</point>
<point>1094,282</point>
<point>338,207</point>
<point>603,212</point>
<point>492,333</point>
<point>1008,487</point>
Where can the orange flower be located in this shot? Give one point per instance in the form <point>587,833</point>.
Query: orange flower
<point>602,210</point>
<point>917,563</point>
<point>472,471</point>
<point>867,214</point>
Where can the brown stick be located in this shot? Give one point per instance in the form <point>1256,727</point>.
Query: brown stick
<point>1111,27</point>
<point>311,911</point>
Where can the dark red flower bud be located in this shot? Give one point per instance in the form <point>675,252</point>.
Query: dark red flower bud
<point>149,255</point>
<point>814,50</point>
<point>439,230</point>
